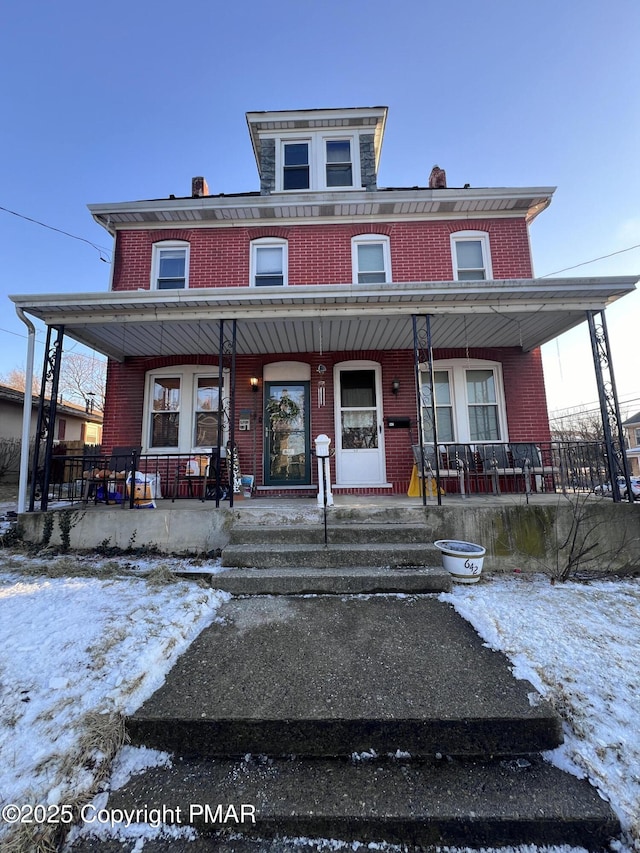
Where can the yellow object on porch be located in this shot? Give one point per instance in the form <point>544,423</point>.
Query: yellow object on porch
<point>415,489</point>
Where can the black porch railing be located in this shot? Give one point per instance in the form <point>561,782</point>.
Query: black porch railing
<point>525,468</point>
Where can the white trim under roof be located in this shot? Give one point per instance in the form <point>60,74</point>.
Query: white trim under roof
<point>506,313</point>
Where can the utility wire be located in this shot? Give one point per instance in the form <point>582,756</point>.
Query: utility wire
<point>102,250</point>
<point>584,263</point>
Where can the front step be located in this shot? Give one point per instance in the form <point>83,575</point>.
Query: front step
<point>337,534</point>
<point>330,556</point>
<point>442,802</point>
<point>330,676</point>
<point>346,581</point>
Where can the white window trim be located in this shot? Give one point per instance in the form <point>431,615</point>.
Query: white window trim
<point>155,260</point>
<point>457,368</point>
<point>483,237</point>
<point>188,375</point>
<point>318,160</point>
<point>363,239</point>
<point>269,242</point>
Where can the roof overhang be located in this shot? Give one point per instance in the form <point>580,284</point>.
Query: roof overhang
<point>310,318</point>
<point>301,208</point>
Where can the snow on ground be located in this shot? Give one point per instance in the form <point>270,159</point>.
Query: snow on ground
<point>79,648</point>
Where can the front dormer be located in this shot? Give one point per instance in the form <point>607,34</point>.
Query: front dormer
<point>317,150</point>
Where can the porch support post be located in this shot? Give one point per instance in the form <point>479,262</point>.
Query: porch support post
<point>232,410</point>
<point>609,409</point>
<point>218,461</point>
<point>423,352</point>
<point>45,428</point>
<point>26,412</point>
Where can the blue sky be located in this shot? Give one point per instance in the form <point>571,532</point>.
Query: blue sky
<point>125,101</point>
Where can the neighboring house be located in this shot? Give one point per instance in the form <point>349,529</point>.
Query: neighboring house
<point>632,432</point>
<point>74,427</point>
<point>325,280</point>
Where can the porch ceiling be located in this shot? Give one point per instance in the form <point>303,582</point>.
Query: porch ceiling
<point>314,318</point>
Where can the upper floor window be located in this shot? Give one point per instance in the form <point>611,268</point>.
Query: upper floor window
<point>471,258</point>
<point>268,262</point>
<point>322,161</point>
<point>170,265</point>
<point>295,168</point>
<point>370,259</point>
<point>339,169</point>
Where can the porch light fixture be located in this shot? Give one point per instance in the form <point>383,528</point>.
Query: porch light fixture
<point>254,384</point>
<point>395,387</point>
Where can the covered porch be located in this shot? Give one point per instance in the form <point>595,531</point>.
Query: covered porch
<point>329,344</point>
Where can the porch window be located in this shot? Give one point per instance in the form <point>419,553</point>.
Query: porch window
<point>470,405</point>
<point>268,262</point>
<point>170,265</point>
<point>182,409</point>
<point>165,420</point>
<point>470,253</point>
<point>371,259</point>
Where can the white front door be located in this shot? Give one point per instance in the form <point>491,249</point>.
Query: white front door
<point>359,436</point>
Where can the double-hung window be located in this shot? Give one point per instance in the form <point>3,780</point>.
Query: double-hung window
<point>170,265</point>
<point>268,262</point>
<point>339,168</point>
<point>470,254</point>
<point>295,169</point>
<point>181,414</point>
<point>469,399</point>
<point>370,258</point>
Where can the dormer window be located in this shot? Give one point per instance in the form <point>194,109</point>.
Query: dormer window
<point>321,162</point>
<point>295,170</point>
<point>339,169</point>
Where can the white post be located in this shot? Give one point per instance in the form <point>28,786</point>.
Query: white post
<point>325,497</point>
<point>26,414</point>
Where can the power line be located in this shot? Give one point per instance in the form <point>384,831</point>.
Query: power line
<point>102,250</point>
<point>584,263</point>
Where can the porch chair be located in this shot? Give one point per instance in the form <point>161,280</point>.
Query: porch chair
<point>194,472</point>
<point>112,479</point>
<point>496,462</point>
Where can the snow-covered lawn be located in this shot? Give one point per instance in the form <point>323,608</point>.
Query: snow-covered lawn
<point>78,651</point>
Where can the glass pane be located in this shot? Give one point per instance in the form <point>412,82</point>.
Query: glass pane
<point>441,384</point>
<point>358,389</point>
<point>444,414</point>
<point>339,176</point>
<point>287,436</point>
<point>371,278</point>
<point>370,257</point>
<point>359,430</point>
<point>469,254</point>
<point>339,152</point>
<point>269,281</point>
<point>172,263</point>
<point>207,394</point>
<point>483,423</point>
<point>481,386</point>
<point>471,275</point>
<point>166,394</point>
<point>269,260</point>
<point>206,431</point>
<point>164,429</point>
<point>296,178</point>
<point>296,154</point>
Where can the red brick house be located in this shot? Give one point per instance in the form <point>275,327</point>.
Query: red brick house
<point>313,292</point>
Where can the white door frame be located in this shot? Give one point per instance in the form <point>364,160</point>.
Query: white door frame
<point>365,467</point>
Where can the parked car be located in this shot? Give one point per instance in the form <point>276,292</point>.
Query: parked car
<point>605,488</point>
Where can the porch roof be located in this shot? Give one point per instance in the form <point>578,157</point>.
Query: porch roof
<point>312,318</point>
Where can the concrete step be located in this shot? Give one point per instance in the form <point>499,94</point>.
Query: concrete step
<point>329,676</point>
<point>346,581</point>
<point>441,802</point>
<point>337,534</point>
<point>330,556</point>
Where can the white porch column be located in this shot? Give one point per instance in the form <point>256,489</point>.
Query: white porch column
<point>26,412</point>
<point>325,496</point>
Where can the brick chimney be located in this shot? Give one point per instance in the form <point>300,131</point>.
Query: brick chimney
<point>437,179</point>
<point>199,187</point>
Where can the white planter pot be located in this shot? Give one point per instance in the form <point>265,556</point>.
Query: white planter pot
<point>463,560</point>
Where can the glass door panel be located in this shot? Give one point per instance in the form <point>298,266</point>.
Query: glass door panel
<point>287,449</point>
